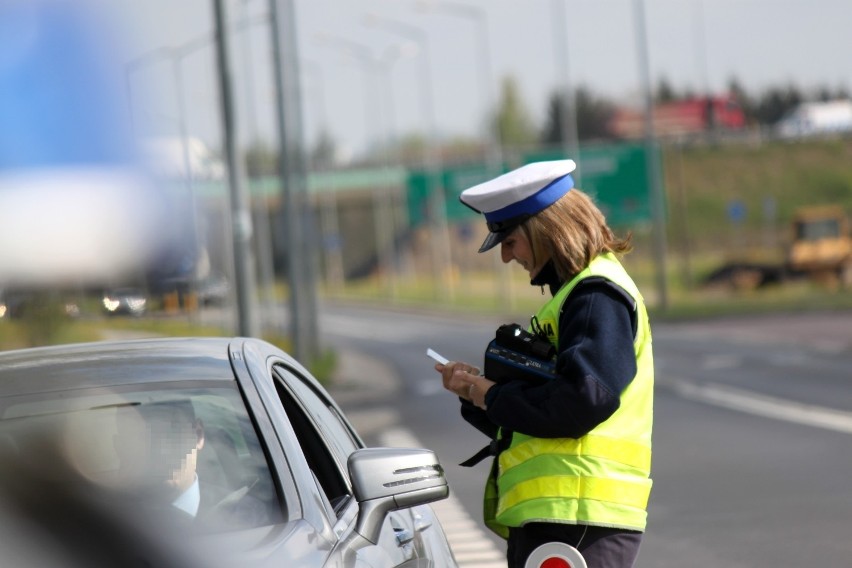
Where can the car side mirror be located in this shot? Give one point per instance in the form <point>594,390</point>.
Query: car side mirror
<point>387,479</point>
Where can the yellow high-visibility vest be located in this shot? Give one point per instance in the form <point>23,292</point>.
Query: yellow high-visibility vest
<point>601,479</point>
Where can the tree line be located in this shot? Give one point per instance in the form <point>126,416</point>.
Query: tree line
<point>512,124</point>
<point>593,111</point>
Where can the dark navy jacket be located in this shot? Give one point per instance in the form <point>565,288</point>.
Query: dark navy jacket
<point>594,364</point>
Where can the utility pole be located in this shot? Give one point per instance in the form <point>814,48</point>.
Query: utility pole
<point>297,219</point>
<point>652,159</point>
<point>433,163</point>
<point>568,116</point>
<point>240,216</point>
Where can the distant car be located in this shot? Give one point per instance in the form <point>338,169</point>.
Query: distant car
<point>280,476</point>
<point>125,301</point>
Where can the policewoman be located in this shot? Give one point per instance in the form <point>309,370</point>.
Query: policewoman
<point>573,454</point>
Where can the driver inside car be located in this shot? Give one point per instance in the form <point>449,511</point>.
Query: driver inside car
<point>157,445</point>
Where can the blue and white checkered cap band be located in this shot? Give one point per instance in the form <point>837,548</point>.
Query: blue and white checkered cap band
<point>512,198</point>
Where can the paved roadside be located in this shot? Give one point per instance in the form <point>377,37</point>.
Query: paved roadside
<point>823,330</point>
<point>361,385</point>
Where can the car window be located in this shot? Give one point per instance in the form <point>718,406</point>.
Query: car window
<point>323,436</point>
<point>340,438</point>
<point>192,453</point>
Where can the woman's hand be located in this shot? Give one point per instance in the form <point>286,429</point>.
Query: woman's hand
<point>464,380</point>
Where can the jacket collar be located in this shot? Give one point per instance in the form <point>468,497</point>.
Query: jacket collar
<point>547,276</point>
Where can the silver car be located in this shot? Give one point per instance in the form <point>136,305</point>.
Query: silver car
<point>202,452</point>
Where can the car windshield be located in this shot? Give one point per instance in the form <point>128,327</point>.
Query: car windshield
<point>193,452</point>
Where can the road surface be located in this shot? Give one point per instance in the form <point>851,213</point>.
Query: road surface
<point>752,439</point>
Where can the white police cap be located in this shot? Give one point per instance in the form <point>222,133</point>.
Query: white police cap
<point>512,198</point>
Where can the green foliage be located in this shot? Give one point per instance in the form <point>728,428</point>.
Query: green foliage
<point>410,148</point>
<point>739,94</point>
<point>776,102</point>
<point>593,116</point>
<point>594,112</point>
<point>771,180</point>
<point>324,152</point>
<point>261,160</point>
<point>322,367</point>
<point>42,326</point>
<point>665,92</point>
<point>42,318</point>
<point>512,121</point>
<point>36,332</point>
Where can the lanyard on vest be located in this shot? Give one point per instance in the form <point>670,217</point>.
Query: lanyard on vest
<point>492,449</point>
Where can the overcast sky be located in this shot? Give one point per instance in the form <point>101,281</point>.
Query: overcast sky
<point>693,43</point>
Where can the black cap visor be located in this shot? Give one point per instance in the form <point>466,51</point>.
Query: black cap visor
<point>492,240</point>
<point>499,230</point>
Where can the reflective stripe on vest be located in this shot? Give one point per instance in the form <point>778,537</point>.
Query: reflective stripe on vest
<point>600,479</point>
<point>623,451</point>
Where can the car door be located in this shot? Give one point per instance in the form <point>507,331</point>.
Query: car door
<point>328,440</point>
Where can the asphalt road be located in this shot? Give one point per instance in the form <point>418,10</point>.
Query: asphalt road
<point>752,439</point>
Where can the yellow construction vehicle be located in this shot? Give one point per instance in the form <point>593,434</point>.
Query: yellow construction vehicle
<point>820,248</point>
<point>822,244</point>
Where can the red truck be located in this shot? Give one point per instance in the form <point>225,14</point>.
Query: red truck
<point>686,116</point>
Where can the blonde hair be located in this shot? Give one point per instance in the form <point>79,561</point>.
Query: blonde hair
<point>573,231</point>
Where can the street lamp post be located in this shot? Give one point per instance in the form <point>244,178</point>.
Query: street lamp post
<point>494,152</point>
<point>441,252</point>
<point>177,61</point>
<point>378,67</point>
<point>479,17</point>
<point>241,225</point>
<point>700,47</point>
<point>568,118</point>
<point>177,56</point>
<point>300,240</point>
<point>329,210</point>
<point>263,240</point>
<point>651,158</point>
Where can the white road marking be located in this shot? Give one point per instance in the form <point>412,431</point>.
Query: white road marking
<point>468,541</point>
<point>767,406</point>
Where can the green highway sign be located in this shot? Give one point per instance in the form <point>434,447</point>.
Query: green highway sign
<point>452,181</point>
<point>616,176</point>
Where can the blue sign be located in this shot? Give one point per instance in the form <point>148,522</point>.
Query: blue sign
<point>736,211</point>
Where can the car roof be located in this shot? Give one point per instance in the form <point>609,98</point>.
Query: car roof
<point>108,364</point>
